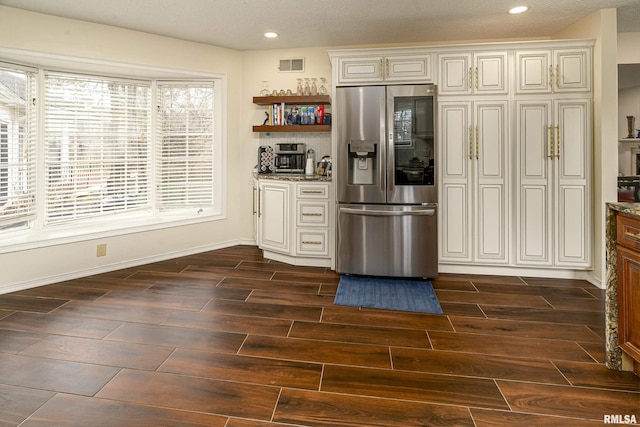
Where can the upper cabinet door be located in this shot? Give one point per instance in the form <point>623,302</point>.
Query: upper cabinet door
<point>560,70</point>
<point>360,70</point>
<point>455,74</point>
<point>414,68</point>
<point>572,70</point>
<point>490,73</point>
<point>466,73</point>
<point>534,71</point>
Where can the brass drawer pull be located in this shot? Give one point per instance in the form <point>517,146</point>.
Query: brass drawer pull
<point>634,236</point>
<point>311,214</point>
<point>312,192</point>
<point>308,242</point>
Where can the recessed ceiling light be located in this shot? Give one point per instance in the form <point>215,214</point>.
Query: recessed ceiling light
<point>518,9</point>
<point>270,35</point>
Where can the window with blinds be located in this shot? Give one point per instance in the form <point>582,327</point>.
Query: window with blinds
<point>77,149</point>
<point>17,148</point>
<point>185,151</point>
<point>97,152</point>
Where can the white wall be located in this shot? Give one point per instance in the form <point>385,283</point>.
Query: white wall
<point>628,48</point>
<point>42,33</point>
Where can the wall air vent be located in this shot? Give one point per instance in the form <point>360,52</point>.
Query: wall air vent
<point>291,65</point>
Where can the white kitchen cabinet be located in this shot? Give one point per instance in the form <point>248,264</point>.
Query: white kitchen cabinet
<point>553,70</point>
<point>475,181</point>
<point>402,68</point>
<point>273,215</point>
<point>293,221</point>
<point>553,149</point>
<point>467,73</point>
<point>312,219</point>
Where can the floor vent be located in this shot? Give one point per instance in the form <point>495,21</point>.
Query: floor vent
<point>292,64</point>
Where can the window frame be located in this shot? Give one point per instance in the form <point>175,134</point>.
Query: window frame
<point>39,234</point>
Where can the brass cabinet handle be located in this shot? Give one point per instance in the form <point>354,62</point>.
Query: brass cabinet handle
<point>470,142</point>
<point>311,214</point>
<point>380,70</point>
<point>550,76</point>
<point>558,141</point>
<point>311,191</point>
<point>476,77</point>
<point>470,78</point>
<point>632,235</point>
<point>557,75</point>
<point>477,142</point>
<point>310,242</point>
<point>550,142</point>
<point>387,67</point>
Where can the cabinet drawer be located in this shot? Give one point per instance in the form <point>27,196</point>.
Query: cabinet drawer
<point>312,214</point>
<point>313,191</point>
<point>312,242</point>
<point>628,232</point>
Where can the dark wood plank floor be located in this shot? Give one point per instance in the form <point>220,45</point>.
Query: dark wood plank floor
<point>227,338</point>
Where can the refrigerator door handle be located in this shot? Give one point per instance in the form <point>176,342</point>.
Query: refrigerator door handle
<point>370,212</point>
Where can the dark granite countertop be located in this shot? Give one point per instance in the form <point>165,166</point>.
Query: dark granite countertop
<point>628,208</point>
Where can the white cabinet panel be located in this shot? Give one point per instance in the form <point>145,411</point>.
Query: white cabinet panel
<point>455,74</point>
<point>454,124</point>
<point>455,230</point>
<point>415,68</point>
<point>312,242</point>
<point>360,69</point>
<point>571,226</point>
<point>533,225</point>
<point>491,244</point>
<point>572,70</point>
<point>273,216</point>
<point>310,213</point>
<point>491,75</point>
<point>573,181</point>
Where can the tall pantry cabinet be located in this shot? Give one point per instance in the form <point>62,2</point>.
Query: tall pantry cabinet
<point>553,149</point>
<point>474,157</point>
<point>515,156</point>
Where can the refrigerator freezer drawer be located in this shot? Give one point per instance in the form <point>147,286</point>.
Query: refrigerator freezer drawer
<point>388,240</point>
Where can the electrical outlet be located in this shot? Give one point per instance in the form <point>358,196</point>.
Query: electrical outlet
<point>101,249</point>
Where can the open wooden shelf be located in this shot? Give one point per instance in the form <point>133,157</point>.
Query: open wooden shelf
<point>312,99</point>
<point>293,128</point>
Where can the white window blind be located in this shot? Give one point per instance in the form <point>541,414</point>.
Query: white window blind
<point>17,147</point>
<point>185,153</point>
<point>97,149</point>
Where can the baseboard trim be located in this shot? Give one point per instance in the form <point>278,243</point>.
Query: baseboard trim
<point>587,275</point>
<point>121,265</point>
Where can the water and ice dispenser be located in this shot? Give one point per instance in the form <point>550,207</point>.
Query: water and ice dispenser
<point>362,162</point>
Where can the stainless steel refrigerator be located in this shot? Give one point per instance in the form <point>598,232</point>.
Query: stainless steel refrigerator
<point>386,181</point>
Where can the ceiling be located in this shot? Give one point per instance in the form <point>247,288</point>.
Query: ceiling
<point>240,24</point>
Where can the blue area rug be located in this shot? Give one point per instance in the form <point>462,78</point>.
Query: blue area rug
<point>391,294</point>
